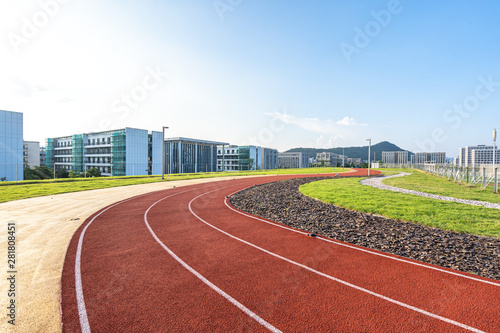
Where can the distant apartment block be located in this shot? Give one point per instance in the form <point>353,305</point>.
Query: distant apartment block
<point>429,158</point>
<point>11,146</point>
<point>184,155</point>
<point>471,156</point>
<point>233,158</point>
<point>330,159</point>
<point>124,152</point>
<point>354,161</point>
<point>343,160</point>
<point>31,153</point>
<point>293,160</point>
<point>395,157</point>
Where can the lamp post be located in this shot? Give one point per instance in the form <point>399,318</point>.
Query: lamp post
<point>343,157</point>
<point>163,152</point>
<point>494,153</point>
<point>369,153</point>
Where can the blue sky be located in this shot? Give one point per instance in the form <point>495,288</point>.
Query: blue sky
<point>280,74</point>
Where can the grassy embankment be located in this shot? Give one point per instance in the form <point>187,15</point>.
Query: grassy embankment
<point>349,193</point>
<point>29,189</point>
<point>424,182</point>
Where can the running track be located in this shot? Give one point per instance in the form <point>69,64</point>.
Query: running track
<point>184,260</point>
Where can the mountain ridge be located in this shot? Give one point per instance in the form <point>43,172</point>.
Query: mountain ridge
<point>354,152</point>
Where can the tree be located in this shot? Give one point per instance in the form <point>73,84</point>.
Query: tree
<point>62,173</point>
<point>74,174</point>
<point>250,163</point>
<point>44,172</point>
<point>93,172</point>
<point>30,174</point>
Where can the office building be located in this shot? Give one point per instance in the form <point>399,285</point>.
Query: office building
<point>395,157</point>
<point>184,155</point>
<point>429,158</point>
<point>354,161</point>
<point>343,160</point>
<point>233,158</point>
<point>269,160</point>
<point>11,146</point>
<point>124,152</point>
<point>31,154</point>
<point>293,160</point>
<point>329,159</point>
<point>471,156</point>
<point>228,158</point>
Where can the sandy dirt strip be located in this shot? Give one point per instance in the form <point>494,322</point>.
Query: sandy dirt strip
<point>183,260</point>
<point>44,230</point>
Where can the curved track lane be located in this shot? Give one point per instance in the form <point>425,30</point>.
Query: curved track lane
<point>185,260</point>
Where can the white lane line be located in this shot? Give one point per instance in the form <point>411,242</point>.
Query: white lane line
<point>407,306</point>
<point>205,280</point>
<point>82,310</point>
<point>357,248</point>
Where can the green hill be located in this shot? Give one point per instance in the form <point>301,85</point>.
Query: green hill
<point>354,152</point>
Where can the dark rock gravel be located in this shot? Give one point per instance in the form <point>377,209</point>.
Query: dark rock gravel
<point>282,202</point>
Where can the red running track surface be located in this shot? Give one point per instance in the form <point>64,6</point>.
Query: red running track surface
<point>184,260</point>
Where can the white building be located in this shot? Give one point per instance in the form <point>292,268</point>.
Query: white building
<point>227,158</point>
<point>293,160</point>
<point>233,158</point>
<point>354,161</point>
<point>330,159</point>
<point>125,152</point>
<point>395,157</point>
<point>431,157</point>
<point>31,153</point>
<point>471,156</point>
<point>11,146</point>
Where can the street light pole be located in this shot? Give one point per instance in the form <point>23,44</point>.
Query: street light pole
<point>369,153</point>
<point>343,157</point>
<point>163,152</point>
<point>494,153</point>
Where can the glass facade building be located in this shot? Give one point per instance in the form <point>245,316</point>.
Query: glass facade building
<point>293,160</point>
<point>233,158</point>
<point>11,146</point>
<point>184,155</point>
<point>124,152</point>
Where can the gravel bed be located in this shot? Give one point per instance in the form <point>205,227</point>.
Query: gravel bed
<point>377,182</point>
<point>282,202</point>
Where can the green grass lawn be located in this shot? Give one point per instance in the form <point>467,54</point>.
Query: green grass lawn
<point>349,193</point>
<point>28,189</point>
<point>424,182</point>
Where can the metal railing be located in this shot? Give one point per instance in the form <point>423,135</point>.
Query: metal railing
<point>483,176</point>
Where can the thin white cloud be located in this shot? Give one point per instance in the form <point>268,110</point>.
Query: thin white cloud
<point>322,142</point>
<point>346,121</point>
<point>328,127</point>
